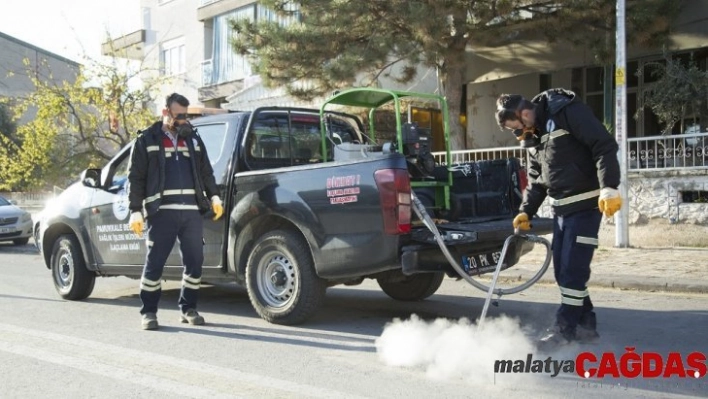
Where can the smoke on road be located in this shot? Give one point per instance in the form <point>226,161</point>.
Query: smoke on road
<point>453,349</point>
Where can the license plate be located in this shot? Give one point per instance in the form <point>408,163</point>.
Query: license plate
<point>6,230</point>
<point>481,263</point>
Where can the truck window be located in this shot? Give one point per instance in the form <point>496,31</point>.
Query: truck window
<point>214,137</point>
<point>115,174</point>
<point>275,141</point>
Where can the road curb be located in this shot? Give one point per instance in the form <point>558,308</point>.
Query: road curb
<point>649,284</point>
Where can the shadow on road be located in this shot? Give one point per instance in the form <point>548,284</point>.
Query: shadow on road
<point>30,298</point>
<point>10,248</point>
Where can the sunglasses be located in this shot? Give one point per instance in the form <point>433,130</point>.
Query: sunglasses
<point>179,117</point>
<point>505,114</point>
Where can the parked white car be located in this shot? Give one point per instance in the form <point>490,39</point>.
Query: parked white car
<point>15,223</point>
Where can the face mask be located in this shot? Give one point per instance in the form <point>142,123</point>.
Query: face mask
<point>184,130</point>
<point>528,137</point>
<point>172,124</point>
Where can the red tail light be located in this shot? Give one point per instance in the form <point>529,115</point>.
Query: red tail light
<point>523,180</point>
<point>395,191</point>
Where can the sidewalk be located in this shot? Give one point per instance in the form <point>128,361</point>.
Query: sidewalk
<point>645,269</point>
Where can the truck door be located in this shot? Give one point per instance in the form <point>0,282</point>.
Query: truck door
<point>218,145</point>
<point>113,241</point>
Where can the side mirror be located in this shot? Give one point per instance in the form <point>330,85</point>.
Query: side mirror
<point>12,202</point>
<point>91,178</point>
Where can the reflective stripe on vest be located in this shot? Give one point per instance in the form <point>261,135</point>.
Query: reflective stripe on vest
<point>554,134</point>
<point>575,198</point>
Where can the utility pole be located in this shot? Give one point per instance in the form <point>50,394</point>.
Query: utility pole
<point>621,217</point>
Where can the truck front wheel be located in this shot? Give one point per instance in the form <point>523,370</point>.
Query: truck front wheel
<point>71,278</point>
<point>281,280</point>
<point>411,288</point>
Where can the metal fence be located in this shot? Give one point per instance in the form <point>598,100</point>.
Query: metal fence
<point>674,152</point>
<point>482,154</point>
<point>680,151</point>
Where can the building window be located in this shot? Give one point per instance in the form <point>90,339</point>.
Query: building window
<point>266,14</point>
<point>694,196</point>
<point>222,64</point>
<point>173,57</point>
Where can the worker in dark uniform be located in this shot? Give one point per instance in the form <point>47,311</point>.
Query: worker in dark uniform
<point>573,160</point>
<point>172,183</point>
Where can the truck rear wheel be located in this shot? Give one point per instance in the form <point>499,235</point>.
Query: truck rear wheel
<point>411,288</point>
<point>71,278</point>
<point>281,280</point>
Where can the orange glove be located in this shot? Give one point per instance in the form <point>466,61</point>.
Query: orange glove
<point>609,201</point>
<point>217,207</point>
<point>522,222</point>
<point>136,223</point>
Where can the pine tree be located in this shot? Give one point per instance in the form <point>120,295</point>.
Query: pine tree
<point>338,40</point>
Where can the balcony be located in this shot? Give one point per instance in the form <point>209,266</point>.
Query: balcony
<point>215,87</point>
<point>127,46</point>
<point>211,8</point>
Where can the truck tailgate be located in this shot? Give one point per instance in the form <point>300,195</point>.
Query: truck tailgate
<point>479,230</point>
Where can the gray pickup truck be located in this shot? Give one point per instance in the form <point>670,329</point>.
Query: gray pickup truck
<point>311,201</point>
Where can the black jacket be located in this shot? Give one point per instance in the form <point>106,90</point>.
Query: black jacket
<point>577,157</point>
<point>147,171</point>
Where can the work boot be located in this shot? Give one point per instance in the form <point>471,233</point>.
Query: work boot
<point>149,321</point>
<point>192,317</point>
<point>555,338</point>
<point>587,328</point>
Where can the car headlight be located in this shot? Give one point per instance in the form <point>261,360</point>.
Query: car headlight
<point>26,217</point>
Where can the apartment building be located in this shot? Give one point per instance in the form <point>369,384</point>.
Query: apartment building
<point>186,42</point>
<point>16,75</point>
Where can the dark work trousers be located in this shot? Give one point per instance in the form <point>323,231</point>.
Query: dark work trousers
<point>163,228</point>
<point>574,242</point>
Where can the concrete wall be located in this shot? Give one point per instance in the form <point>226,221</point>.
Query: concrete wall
<point>482,129</point>
<point>658,195</point>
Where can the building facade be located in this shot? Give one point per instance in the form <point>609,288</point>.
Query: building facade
<point>21,61</point>
<point>188,43</point>
<point>529,67</point>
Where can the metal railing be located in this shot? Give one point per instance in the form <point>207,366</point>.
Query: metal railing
<point>481,154</point>
<point>679,151</point>
<point>674,152</point>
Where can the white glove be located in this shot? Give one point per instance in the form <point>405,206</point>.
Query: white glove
<point>136,223</point>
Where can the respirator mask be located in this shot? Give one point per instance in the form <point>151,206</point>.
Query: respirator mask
<point>529,137</point>
<point>183,130</point>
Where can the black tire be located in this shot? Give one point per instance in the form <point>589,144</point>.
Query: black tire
<point>20,241</point>
<point>71,278</point>
<point>412,288</point>
<point>281,280</point>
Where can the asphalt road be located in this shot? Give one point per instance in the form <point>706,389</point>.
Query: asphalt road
<point>95,348</point>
